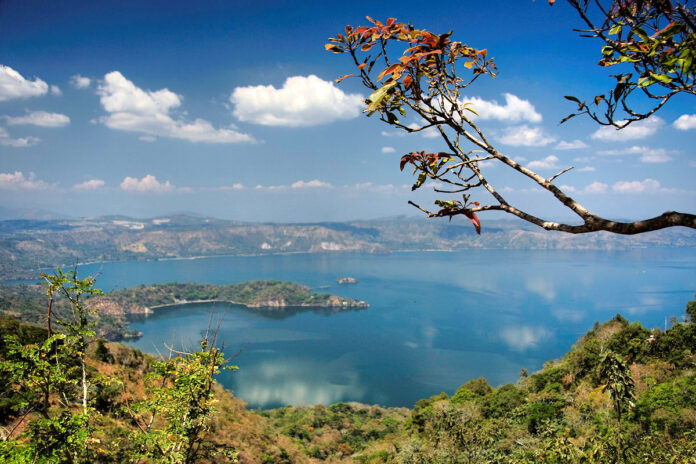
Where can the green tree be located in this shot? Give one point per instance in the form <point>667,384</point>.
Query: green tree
<point>652,42</point>
<point>174,420</point>
<point>616,374</point>
<point>410,70</point>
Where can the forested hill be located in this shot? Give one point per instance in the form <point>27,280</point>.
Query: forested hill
<point>563,414</point>
<point>27,245</point>
<point>269,294</point>
<point>28,302</point>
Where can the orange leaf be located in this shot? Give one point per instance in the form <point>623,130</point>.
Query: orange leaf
<point>361,66</point>
<point>344,77</point>
<point>390,21</point>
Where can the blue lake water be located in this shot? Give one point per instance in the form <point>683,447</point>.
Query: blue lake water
<point>435,319</point>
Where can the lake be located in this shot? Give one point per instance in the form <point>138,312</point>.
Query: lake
<point>436,319</point>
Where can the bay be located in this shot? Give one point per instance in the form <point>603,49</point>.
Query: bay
<point>436,319</point>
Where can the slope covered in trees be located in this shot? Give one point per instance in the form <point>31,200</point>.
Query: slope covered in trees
<point>562,414</point>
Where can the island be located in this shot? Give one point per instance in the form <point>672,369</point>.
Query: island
<point>28,302</point>
<point>347,280</point>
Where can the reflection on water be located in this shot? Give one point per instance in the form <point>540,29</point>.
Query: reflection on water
<point>435,320</point>
<point>297,382</point>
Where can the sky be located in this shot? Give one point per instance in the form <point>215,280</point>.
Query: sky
<point>229,109</point>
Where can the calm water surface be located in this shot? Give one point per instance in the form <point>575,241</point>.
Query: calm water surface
<point>435,319</point>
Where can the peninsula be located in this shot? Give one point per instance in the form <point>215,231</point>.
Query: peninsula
<point>257,294</point>
<point>28,302</point>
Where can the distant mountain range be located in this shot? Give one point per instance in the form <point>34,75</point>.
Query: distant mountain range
<point>30,244</point>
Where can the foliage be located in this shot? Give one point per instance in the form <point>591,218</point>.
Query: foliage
<point>52,398</point>
<point>657,39</point>
<point>175,417</point>
<point>419,72</point>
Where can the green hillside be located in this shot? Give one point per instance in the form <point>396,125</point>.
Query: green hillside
<point>562,414</point>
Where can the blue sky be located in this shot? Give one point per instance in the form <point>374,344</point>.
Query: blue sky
<point>228,109</point>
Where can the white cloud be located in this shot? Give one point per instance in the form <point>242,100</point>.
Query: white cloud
<point>550,162</point>
<point>587,169</point>
<point>395,133</point>
<point>514,110</point>
<point>388,150</point>
<point>133,109</point>
<point>55,90</point>
<point>568,188</point>
<point>14,85</point>
<point>647,155</point>
<point>232,187</point>
<point>80,82</point>
<point>596,187</point>
<point>644,186</point>
<point>525,136</point>
<point>521,338</point>
<point>636,130</point>
<point>147,138</point>
<point>7,141</point>
<point>685,122</point>
<point>302,101</point>
<point>149,183</point>
<point>17,181</point>
<point>93,184</point>
<point>39,118</point>
<point>300,184</point>
<point>574,145</point>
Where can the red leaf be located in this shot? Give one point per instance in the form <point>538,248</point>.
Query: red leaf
<point>390,21</point>
<point>472,216</point>
<point>407,81</point>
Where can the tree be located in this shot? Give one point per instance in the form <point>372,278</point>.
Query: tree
<point>418,71</point>
<point>616,374</point>
<point>655,38</point>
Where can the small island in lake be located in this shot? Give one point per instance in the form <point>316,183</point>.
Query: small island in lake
<point>347,280</point>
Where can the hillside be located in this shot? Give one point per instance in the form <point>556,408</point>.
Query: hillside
<point>28,302</point>
<point>27,245</point>
<point>560,414</point>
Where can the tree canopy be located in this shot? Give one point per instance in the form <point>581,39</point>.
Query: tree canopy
<point>411,70</point>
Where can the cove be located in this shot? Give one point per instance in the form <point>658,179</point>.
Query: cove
<point>436,319</point>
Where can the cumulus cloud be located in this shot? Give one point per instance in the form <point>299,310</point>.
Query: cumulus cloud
<point>574,145</point>
<point>302,101</point>
<point>550,162</point>
<point>80,82</point>
<point>634,131</point>
<point>300,184</point>
<point>133,109</point>
<point>647,155</point>
<point>14,85</point>
<point>522,338</point>
<point>39,118</point>
<point>525,136</point>
<point>149,183</point>
<point>636,186</point>
<point>88,185</point>
<point>18,181</point>
<point>514,110</point>
<point>685,122</point>
<point>388,150</point>
<point>596,187</point>
<point>7,141</point>
<point>55,90</point>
